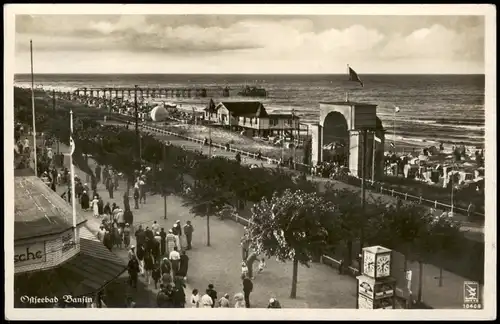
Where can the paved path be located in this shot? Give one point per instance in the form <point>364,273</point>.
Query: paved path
<point>220,264</point>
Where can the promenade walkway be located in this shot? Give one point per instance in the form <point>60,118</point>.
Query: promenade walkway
<point>220,264</point>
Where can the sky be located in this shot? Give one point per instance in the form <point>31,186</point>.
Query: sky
<point>258,44</point>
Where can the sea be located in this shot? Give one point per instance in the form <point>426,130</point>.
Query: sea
<point>432,108</point>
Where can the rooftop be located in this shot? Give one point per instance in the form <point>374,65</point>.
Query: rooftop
<point>347,103</point>
<point>38,210</point>
<point>246,108</point>
<point>284,115</point>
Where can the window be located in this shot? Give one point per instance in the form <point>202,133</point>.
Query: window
<point>289,122</point>
<point>244,120</point>
<point>273,122</point>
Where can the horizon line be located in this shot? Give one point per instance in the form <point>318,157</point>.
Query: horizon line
<point>222,73</point>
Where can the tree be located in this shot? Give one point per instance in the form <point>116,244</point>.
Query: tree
<point>206,199</point>
<point>441,239</point>
<point>293,225</point>
<point>353,224</point>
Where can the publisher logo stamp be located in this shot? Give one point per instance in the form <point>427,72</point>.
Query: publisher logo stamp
<point>471,295</point>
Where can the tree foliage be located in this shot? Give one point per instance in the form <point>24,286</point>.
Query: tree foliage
<point>292,225</point>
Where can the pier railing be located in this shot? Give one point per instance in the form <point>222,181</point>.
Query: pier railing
<point>373,185</point>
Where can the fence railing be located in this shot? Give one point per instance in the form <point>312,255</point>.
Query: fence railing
<point>307,168</point>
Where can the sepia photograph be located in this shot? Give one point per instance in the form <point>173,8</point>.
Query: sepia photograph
<point>323,160</point>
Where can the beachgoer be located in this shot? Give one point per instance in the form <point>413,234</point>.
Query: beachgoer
<point>212,293</point>
<point>183,265</point>
<point>247,289</point>
<point>224,301</point>
<point>195,299</point>
<point>273,303</point>
<point>206,300</point>
<point>174,258</point>
<point>188,232</point>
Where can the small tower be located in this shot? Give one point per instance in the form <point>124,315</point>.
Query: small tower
<point>376,288</point>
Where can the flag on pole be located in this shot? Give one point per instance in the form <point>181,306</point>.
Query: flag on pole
<point>71,144</point>
<point>353,76</point>
<point>396,109</point>
<point>71,141</point>
<point>377,139</point>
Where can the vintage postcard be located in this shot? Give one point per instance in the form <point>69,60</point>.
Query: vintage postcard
<point>325,161</point>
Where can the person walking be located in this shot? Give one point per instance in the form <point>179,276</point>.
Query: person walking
<point>179,295</point>
<point>95,206</point>
<point>126,235</point>
<point>174,258</point>
<point>100,206</point>
<point>195,299</point>
<point>188,232</point>
<point>126,201</point>
<point>110,187</point>
<point>206,300</point>
<point>245,245</point>
<point>183,265</point>
<point>142,190</point>
<point>141,252</point>
<point>239,300</point>
<point>107,209</point>
<point>171,242</point>
<point>163,242</point>
<point>140,236</point>
<point>133,271</point>
<point>120,218</point>
<point>108,240</point>
<point>224,301</point>
<point>148,266</point>
<point>247,289</point>
<point>212,293</point>
<point>136,196</point>
<point>85,201</point>
<point>156,274</point>
<point>128,216</point>
<point>165,268</point>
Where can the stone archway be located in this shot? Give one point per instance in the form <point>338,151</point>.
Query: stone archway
<point>342,123</point>
<point>335,138</point>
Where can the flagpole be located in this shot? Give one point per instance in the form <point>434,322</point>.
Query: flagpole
<point>72,173</point>
<point>394,130</point>
<point>373,158</point>
<point>33,108</point>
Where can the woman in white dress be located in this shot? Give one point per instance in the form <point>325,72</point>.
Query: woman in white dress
<point>95,206</point>
<point>239,300</point>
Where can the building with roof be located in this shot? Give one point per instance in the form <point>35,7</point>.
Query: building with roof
<point>250,116</point>
<point>51,257</point>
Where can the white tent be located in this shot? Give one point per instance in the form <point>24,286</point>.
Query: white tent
<point>159,113</point>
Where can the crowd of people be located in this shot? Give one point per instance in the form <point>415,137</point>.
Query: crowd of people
<point>159,256</point>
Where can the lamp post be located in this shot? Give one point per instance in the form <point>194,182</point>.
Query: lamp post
<point>136,115</point>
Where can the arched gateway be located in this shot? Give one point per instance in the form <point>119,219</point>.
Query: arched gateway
<point>340,130</point>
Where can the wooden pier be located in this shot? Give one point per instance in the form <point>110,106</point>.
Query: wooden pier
<point>142,92</point>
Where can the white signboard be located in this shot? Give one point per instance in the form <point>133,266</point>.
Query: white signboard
<point>68,241</point>
<point>29,254</point>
